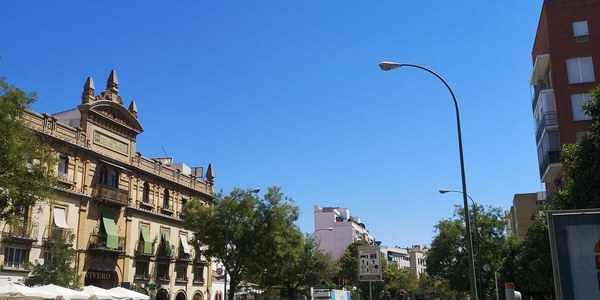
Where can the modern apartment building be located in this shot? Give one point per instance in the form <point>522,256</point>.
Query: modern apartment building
<point>523,208</point>
<point>345,230</point>
<point>413,258</point>
<point>123,209</point>
<point>566,57</point>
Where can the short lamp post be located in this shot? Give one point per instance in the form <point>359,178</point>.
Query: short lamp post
<point>234,198</point>
<point>387,66</point>
<point>477,239</point>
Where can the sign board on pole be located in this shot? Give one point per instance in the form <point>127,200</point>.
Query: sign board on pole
<point>369,268</point>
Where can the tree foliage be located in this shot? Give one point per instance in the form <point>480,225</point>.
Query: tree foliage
<point>447,257</point>
<point>26,172</point>
<point>582,164</point>
<point>59,269</point>
<point>251,237</point>
<point>533,263</point>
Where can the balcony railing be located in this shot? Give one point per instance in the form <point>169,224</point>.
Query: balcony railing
<point>98,242</point>
<point>183,256</point>
<point>551,157</point>
<point>21,231</point>
<point>141,277</point>
<point>543,83</point>
<point>547,119</point>
<point>139,249</point>
<point>15,265</point>
<point>111,194</point>
<point>53,234</point>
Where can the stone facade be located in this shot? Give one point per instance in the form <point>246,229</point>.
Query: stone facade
<point>123,209</point>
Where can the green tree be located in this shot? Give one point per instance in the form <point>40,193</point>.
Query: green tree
<point>447,257</point>
<point>310,268</point>
<point>582,164</point>
<point>57,269</point>
<point>533,263</point>
<point>348,273</point>
<point>26,165</point>
<point>251,237</point>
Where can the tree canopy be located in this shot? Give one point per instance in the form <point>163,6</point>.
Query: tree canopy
<point>447,257</point>
<point>26,165</point>
<point>251,237</point>
<point>582,164</point>
<point>58,268</point>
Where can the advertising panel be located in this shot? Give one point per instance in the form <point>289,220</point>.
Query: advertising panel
<point>575,249</point>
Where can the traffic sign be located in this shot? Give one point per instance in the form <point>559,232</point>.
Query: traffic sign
<point>369,264</point>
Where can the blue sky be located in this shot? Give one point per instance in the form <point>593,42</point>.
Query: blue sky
<point>289,93</point>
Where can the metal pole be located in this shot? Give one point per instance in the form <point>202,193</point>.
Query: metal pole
<point>386,66</point>
<point>496,282</point>
<point>370,291</point>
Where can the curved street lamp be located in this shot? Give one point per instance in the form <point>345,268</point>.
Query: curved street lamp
<point>387,66</point>
<point>226,273</point>
<point>477,238</point>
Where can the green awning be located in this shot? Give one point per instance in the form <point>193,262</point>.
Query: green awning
<point>146,238</point>
<point>112,239</point>
<point>166,243</point>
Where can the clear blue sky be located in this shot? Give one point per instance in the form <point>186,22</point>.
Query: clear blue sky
<point>289,93</point>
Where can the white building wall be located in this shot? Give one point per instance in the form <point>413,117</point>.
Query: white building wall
<point>346,230</point>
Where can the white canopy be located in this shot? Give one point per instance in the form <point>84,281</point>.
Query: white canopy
<point>102,294</point>
<point>133,295</point>
<point>65,293</point>
<point>14,291</point>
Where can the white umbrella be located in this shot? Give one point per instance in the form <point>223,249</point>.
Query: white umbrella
<point>15,291</point>
<point>133,295</point>
<point>65,293</point>
<point>102,294</point>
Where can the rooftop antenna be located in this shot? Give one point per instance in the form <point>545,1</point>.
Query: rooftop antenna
<point>164,152</point>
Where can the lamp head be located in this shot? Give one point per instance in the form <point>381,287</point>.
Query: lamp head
<point>254,190</point>
<point>389,65</point>
<point>443,191</point>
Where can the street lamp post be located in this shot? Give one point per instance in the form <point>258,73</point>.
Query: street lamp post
<point>477,239</point>
<point>226,273</point>
<point>386,66</point>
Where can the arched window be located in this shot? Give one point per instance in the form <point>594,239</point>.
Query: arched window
<point>166,199</point>
<point>114,178</point>
<point>146,192</point>
<point>102,176</point>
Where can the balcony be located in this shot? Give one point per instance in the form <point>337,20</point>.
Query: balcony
<point>167,209</point>
<point>100,243</point>
<point>143,276</point>
<point>550,165</point>
<point>54,233</point>
<point>547,120</point>
<point>182,256</point>
<point>21,232</point>
<point>542,83</point>
<point>111,195</point>
<point>15,266</point>
<point>139,249</point>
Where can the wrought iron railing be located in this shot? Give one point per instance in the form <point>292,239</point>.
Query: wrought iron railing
<point>113,194</point>
<point>99,241</point>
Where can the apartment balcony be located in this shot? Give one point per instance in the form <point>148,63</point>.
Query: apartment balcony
<point>21,232</point>
<point>542,83</point>
<point>550,165</point>
<point>182,256</point>
<point>548,120</point>
<point>111,195</point>
<point>54,233</point>
<point>105,244</point>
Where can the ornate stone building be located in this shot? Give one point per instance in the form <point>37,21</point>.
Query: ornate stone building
<point>123,209</point>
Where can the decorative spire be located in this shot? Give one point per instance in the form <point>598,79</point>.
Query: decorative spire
<point>133,109</point>
<point>209,174</point>
<point>112,89</point>
<point>112,83</point>
<point>88,91</point>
